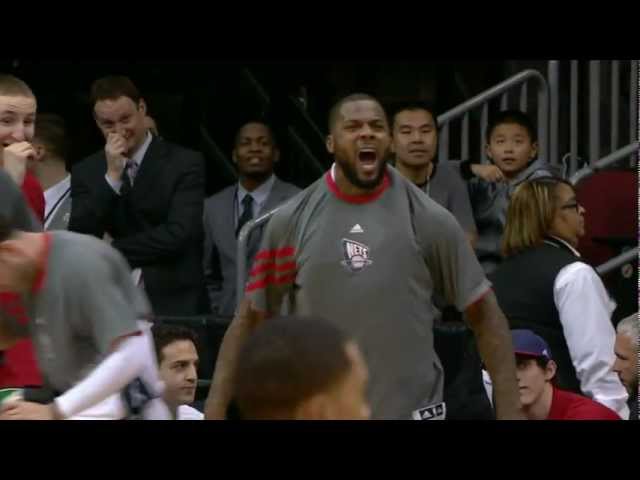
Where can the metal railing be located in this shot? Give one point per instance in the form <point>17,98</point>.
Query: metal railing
<point>225,167</point>
<point>596,115</point>
<point>243,236</point>
<point>605,162</point>
<point>482,100</point>
<point>312,161</point>
<point>616,262</point>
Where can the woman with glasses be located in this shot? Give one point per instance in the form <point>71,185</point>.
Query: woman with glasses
<point>544,286</point>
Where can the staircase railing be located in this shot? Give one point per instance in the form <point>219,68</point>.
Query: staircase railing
<point>482,101</point>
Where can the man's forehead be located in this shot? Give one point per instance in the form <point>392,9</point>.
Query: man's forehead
<point>361,109</point>
<point>254,129</point>
<point>18,104</point>
<point>624,343</point>
<point>418,116</point>
<point>179,347</point>
<point>116,105</point>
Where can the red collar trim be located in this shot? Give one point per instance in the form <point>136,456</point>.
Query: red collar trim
<point>369,197</point>
<point>42,267</point>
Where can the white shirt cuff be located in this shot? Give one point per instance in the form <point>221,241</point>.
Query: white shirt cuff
<point>115,185</point>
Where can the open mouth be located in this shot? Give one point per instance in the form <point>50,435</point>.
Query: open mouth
<point>368,159</point>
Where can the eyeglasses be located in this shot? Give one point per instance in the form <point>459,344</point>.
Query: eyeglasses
<point>571,206</point>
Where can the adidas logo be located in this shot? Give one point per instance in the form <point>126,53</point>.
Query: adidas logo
<point>356,229</point>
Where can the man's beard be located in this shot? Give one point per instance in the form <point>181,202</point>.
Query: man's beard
<point>352,175</point>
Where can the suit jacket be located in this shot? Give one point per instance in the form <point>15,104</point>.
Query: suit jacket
<point>156,225</point>
<point>221,244</point>
<point>60,218</point>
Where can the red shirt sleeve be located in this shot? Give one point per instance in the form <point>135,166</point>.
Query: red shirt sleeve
<point>33,194</point>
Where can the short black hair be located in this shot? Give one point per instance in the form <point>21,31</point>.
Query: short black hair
<point>50,129</point>
<point>411,106</point>
<point>165,334</point>
<point>514,117</point>
<point>113,87</point>
<point>261,121</point>
<point>354,97</point>
<point>286,361</point>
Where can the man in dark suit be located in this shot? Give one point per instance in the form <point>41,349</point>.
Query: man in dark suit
<point>147,194</point>
<point>258,191</point>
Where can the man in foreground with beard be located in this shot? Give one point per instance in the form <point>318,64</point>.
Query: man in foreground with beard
<point>367,249</point>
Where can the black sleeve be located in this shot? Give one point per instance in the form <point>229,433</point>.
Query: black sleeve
<point>465,169</point>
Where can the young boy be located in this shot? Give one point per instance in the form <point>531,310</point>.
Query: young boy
<point>511,144</point>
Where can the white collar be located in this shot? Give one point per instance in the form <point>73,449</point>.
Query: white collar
<point>260,194</point>
<point>576,253</point>
<point>139,154</point>
<point>53,193</point>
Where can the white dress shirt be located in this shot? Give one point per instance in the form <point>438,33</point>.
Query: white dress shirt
<point>53,197</point>
<point>259,195</point>
<point>185,412</point>
<point>585,309</point>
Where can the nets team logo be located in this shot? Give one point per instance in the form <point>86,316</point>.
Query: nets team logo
<point>356,255</point>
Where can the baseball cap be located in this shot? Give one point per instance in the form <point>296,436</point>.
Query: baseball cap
<point>525,342</point>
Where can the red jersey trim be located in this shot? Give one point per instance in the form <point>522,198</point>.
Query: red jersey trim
<point>42,267</point>
<point>358,199</point>
<point>480,298</point>
<point>270,280</point>
<point>278,253</point>
<point>266,267</point>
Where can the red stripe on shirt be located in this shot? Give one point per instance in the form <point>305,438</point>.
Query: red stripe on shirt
<point>266,267</point>
<point>271,280</point>
<point>42,267</point>
<point>278,253</point>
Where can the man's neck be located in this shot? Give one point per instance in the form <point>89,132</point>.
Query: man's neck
<point>540,409</point>
<point>51,173</point>
<point>136,148</point>
<point>418,175</point>
<point>250,183</point>
<point>348,188</point>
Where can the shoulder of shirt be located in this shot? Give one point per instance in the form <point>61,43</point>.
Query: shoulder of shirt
<point>583,408</point>
<point>422,203</point>
<point>286,187</point>
<point>575,270</point>
<point>173,149</point>
<point>222,194</point>
<point>185,412</point>
<point>301,198</point>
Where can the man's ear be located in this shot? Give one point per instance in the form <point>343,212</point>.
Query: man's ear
<point>234,156</point>
<point>276,154</point>
<point>142,106</point>
<point>330,143</point>
<point>488,151</point>
<point>534,150</point>
<point>41,151</point>
<point>551,370</point>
